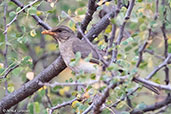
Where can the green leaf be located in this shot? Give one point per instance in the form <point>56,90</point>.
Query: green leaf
<point>32,10</point>
<point>139,0</point>
<point>88,58</point>
<point>78,55</point>
<point>128,48</point>
<point>143,65</point>
<point>93,76</point>
<point>135,34</point>
<point>31,108</point>
<point>124,42</point>
<point>1,43</point>
<point>37,107</point>
<point>26,61</point>
<point>18,9</point>
<point>142,27</point>
<point>52,11</point>
<point>113,21</point>
<point>12,14</point>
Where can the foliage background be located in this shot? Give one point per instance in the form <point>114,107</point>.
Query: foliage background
<point>34,52</point>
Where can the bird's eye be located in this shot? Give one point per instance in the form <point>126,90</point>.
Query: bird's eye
<point>59,30</point>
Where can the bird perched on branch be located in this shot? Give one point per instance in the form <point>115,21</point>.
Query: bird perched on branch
<point>70,45</point>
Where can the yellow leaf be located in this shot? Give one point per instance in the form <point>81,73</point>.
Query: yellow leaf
<point>69,12</point>
<point>169,41</point>
<point>107,3</point>
<point>100,43</point>
<point>74,104</point>
<point>62,92</point>
<point>108,29</point>
<point>10,88</point>
<point>1,65</point>
<point>33,33</point>
<point>39,13</point>
<point>30,75</point>
<point>42,88</point>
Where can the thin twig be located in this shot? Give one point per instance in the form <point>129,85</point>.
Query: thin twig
<point>152,53</point>
<point>88,109</point>
<point>142,48</point>
<point>15,18</point>
<point>101,99</point>
<point>92,6</point>
<point>6,46</point>
<point>159,67</point>
<point>68,84</point>
<point>127,16</point>
<point>9,70</point>
<point>157,10</point>
<point>61,105</point>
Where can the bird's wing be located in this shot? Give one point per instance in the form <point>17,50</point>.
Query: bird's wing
<point>85,49</point>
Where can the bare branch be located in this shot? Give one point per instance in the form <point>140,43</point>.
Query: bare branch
<point>159,67</point>
<point>98,102</point>
<point>61,105</point>
<point>9,70</point>
<point>127,16</point>
<point>157,10</point>
<point>88,109</point>
<point>40,22</point>
<point>92,6</point>
<point>32,86</point>
<point>15,18</point>
<point>142,48</point>
<point>152,53</point>
<point>153,106</point>
<point>68,84</point>
<point>159,86</point>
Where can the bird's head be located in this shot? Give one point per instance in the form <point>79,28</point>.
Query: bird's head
<point>60,33</point>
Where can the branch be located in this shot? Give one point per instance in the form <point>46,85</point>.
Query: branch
<point>15,18</point>
<point>50,72</point>
<point>91,9</point>
<point>88,109</point>
<point>159,86</point>
<point>99,100</point>
<point>142,48</point>
<point>153,106</point>
<point>9,70</point>
<point>68,84</point>
<point>40,22</point>
<point>159,67</point>
<point>32,86</point>
<point>152,53</point>
<point>61,105</point>
<point>6,45</point>
<point>127,16</point>
<point>157,10</point>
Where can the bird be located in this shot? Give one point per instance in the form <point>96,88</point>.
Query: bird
<point>70,45</point>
